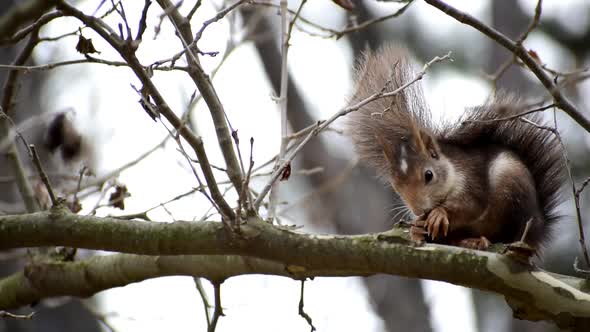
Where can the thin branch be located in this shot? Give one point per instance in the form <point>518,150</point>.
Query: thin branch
<point>534,22</point>
<point>89,59</point>
<point>143,20</point>
<point>200,188</point>
<point>120,9</point>
<point>37,162</point>
<point>6,314</point>
<point>370,22</point>
<point>302,312</point>
<point>203,295</point>
<point>249,176</point>
<point>513,117</point>
<point>286,30</point>
<point>221,14</point>
<point>218,310</point>
<point>333,33</point>
<point>522,53</point>
<point>193,10</point>
<point>103,193</point>
<point>114,173</point>
<point>582,187</point>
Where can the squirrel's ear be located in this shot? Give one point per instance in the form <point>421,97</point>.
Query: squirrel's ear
<point>429,143</point>
<point>386,149</point>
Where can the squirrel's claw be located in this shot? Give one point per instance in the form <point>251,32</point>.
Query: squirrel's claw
<point>417,234</point>
<point>437,222</point>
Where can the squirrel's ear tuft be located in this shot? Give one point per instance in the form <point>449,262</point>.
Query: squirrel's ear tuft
<point>387,152</point>
<point>429,145</point>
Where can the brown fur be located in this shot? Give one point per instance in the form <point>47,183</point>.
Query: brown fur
<point>484,179</point>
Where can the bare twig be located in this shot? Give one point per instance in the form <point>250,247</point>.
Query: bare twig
<point>328,186</point>
<point>89,59</point>
<point>37,162</point>
<point>221,14</point>
<point>501,71</point>
<point>6,314</point>
<point>201,188</point>
<point>203,295</point>
<point>189,17</point>
<point>577,193</point>
<point>245,197</point>
<point>302,312</point>
<point>513,58</point>
<point>114,173</point>
<point>513,117</point>
<point>376,20</point>
<point>79,185</point>
<point>286,30</point>
<point>583,186</point>
<point>218,311</point>
<point>333,33</point>
<point>143,20</point>
<point>102,195</point>
<point>533,24</point>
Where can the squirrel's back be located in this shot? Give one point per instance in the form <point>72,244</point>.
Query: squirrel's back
<point>500,122</point>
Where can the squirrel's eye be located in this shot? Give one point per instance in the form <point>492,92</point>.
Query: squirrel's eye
<point>428,176</point>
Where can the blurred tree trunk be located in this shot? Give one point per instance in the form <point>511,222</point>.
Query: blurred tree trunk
<point>70,316</point>
<point>360,203</point>
<point>508,17</point>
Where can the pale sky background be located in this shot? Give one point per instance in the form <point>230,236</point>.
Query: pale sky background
<point>107,108</point>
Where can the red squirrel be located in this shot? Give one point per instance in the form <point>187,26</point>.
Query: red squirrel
<point>470,183</point>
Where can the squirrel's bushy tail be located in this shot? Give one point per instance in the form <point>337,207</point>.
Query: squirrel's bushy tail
<point>390,117</point>
<point>537,147</point>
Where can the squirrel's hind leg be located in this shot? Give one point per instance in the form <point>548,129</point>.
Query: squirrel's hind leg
<point>479,243</point>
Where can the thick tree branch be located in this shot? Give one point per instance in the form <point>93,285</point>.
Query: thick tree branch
<point>533,294</point>
<point>208,92</point>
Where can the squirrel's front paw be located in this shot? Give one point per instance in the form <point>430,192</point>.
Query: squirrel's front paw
<point>437,223</point>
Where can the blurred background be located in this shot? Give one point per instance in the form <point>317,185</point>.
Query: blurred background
<point>329,191</point>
